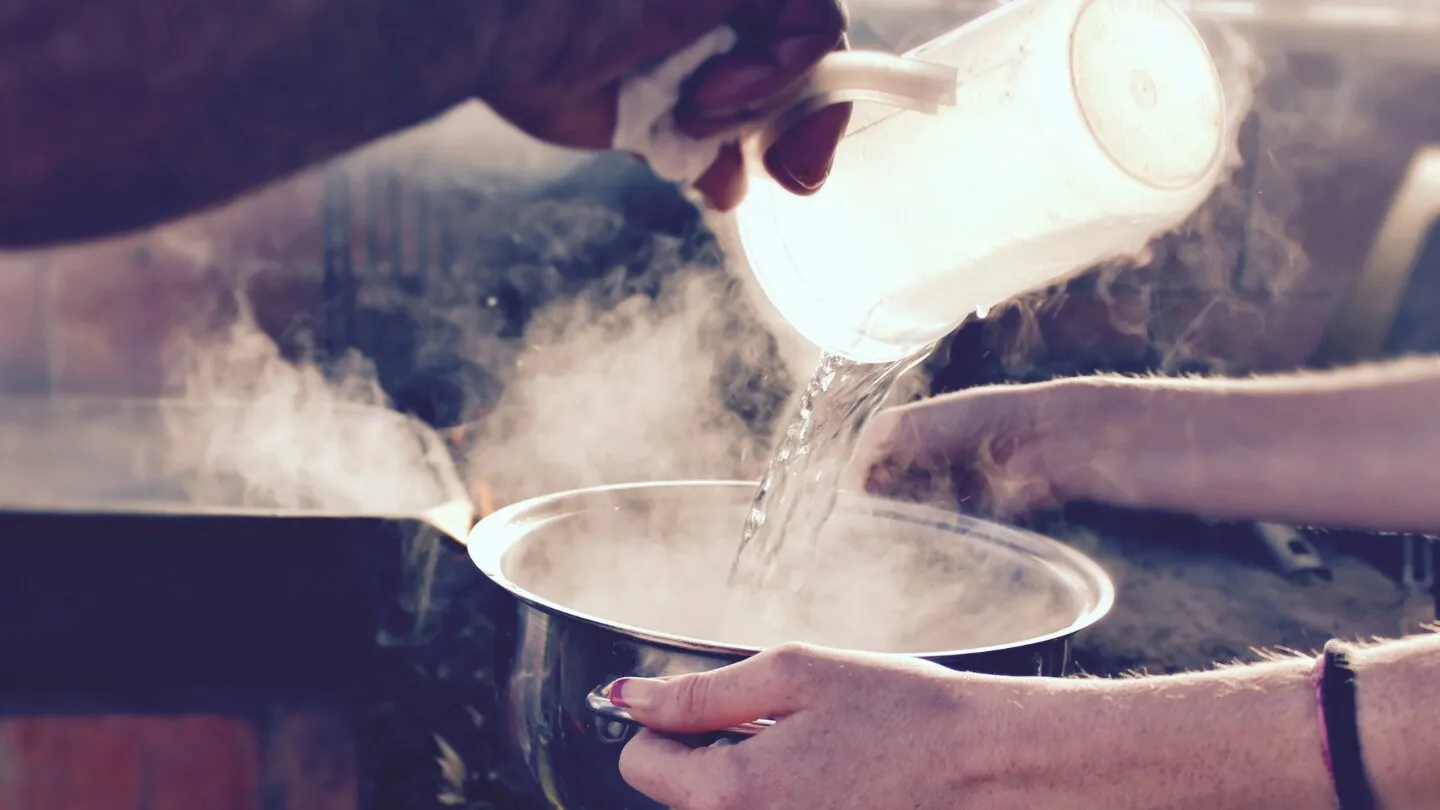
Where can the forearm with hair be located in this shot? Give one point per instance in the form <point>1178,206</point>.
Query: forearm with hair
<point>1399,714</point>
<point>119,114</point>
<point>1249,736</point>
<point>1357,447</point>
<point>1236,739</point>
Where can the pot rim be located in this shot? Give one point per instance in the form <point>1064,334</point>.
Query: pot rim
<point>498,532</point>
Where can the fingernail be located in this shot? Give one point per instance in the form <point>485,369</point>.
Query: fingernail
<point>815,181</point>
<point>803,180</point>
<point>633,693</point>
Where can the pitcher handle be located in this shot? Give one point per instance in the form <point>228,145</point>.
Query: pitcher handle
<point>599,702</point>
<point>848,76</point>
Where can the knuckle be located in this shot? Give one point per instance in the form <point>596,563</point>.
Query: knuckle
<point>691,696</point>
<point>792,660</point>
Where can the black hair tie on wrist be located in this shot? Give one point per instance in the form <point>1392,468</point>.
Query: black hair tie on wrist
<point>1342,729</point>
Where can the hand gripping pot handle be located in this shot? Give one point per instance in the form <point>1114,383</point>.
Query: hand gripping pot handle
<point>599,702</point>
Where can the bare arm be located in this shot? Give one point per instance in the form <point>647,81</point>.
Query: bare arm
<point>1398,709</point>
<point>118,115</point>
<point>1357,447</point>
<point>859,730</point>
<point>1249,736</point>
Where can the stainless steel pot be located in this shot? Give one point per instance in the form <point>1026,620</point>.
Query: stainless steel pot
<point>560,556</point>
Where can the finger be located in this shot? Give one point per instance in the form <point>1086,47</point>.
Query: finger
<point>806,15</point>
<point>956,443</point>
<point>622,37</point>
<point>676,775</point>
<point>765,685</point>
<point>914,484</point>
<point>778,48</point>
<point>890,460</point>
<point>724,91</point>
<point>876,471</point>
<point>724,183</point>
<point>800,160</point>
<point>902,455</point>
<point>1003,480</point>
<point>905,435</point>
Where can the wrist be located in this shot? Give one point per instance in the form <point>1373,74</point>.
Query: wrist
<point>1395,707</point>
<point>1097,443</point>
<point>1140,443</point>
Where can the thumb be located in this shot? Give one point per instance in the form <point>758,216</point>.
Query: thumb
<point>911,433</point>
<point>876,446</point>
<point>950,426</point>
<point>703,702</point>
<point>897,453</point>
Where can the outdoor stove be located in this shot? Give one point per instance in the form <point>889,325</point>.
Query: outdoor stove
<point>178,626</point>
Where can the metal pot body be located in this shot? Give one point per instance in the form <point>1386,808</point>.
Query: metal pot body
<point>572,754</point>
<point>555,661</point>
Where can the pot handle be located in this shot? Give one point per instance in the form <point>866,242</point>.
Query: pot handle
<point>599,702</point>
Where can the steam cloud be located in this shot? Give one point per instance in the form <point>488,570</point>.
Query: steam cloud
<point>293,437</point>
<point>1234,291</point>
<point>632,393</point>
<point>651,371</point>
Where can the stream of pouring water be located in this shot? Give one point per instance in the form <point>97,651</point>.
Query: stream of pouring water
<point>800,486</point>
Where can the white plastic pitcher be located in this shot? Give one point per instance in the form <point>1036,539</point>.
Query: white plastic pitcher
<point>1033,143</point>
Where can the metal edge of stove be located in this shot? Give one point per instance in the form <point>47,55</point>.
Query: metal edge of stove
<point>99,455</point>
